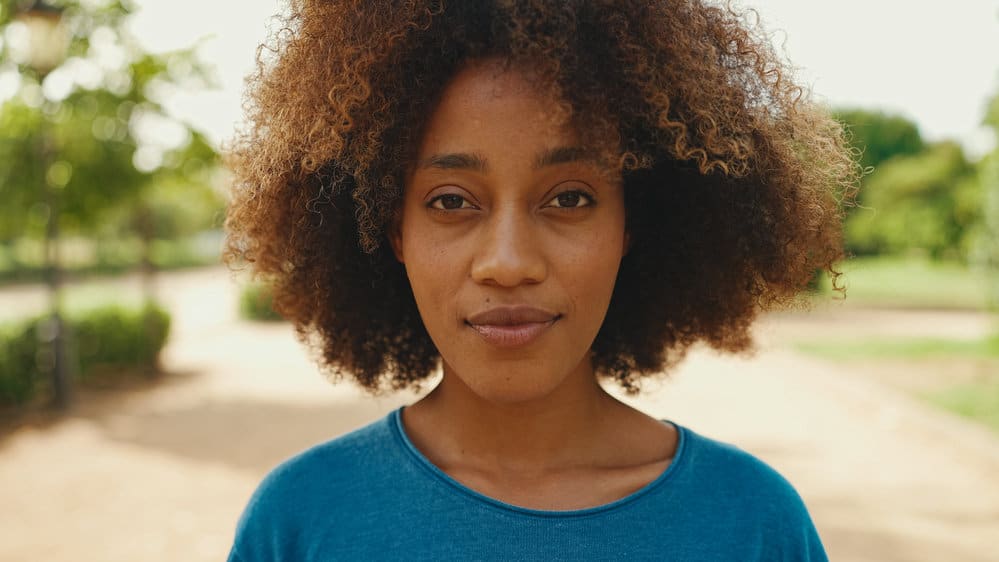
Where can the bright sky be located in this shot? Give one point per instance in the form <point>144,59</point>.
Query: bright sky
<point>936,64</point>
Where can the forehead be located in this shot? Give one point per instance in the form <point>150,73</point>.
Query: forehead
<point>482,81</point>
<point>491,101</point>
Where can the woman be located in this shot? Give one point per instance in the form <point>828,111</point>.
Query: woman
<point>531,196</point>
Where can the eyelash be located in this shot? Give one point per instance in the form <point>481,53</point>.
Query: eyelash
<point>584,195</point>
<point>432,202</point>
<point>589,198</point>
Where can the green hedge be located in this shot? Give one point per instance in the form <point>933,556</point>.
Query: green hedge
<point>19,355</point>
<point>256,303</point>
<point>117,338</point>
<point>22,261</point>
<point>112,341</point>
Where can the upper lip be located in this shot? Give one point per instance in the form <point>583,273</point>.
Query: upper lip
<point>512,315</point>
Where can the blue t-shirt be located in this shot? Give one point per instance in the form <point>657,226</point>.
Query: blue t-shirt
<point>371,495</point>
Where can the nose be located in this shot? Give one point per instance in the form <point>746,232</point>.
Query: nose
<point>509,251</point>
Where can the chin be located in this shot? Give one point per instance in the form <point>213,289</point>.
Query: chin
<point>510,396</point>
<point>509,386</point>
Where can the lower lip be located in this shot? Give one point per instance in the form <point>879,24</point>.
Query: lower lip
<point>512,336</point>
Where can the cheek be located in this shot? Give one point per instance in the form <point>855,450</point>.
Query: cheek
<point>432,269</point>
<point>595,254</point>
<point>587,273</point>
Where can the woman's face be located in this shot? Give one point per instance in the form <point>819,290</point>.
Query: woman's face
<point>511,238</point>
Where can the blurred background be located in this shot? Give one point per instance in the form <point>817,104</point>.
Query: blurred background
<point>145,389</point>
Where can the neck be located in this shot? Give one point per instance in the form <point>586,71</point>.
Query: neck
<point>558,430</point>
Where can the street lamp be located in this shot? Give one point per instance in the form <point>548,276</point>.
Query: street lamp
<point>47,43</point>
<point>47,37</point>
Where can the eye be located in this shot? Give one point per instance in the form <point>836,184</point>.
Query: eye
<point>570,199</point>
<point>449,202</point>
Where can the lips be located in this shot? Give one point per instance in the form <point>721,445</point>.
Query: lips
<point>512,326</point>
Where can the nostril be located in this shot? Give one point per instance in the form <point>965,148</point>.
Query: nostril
<point>509,255</point>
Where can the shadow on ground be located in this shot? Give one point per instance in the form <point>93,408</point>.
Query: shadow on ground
<point>244,434</point>
<point>92,401</point>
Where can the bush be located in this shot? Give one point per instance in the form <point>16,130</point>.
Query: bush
<point>117,339</point>
<point>255,303</point>
<point>108,341</point>
<point>18,363</point>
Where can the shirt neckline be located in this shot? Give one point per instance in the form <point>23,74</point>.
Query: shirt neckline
<point>436,473</point>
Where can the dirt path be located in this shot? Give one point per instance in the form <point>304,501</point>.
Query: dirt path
<point>162,473</point>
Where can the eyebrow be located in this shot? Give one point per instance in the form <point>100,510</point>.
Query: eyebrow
<point>478,163</point>
<point>561,155</point>
<point>456,161</point>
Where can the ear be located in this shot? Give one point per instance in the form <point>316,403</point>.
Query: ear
<point>395,235</point>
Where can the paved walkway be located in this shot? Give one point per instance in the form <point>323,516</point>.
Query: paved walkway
<point>162,473</point>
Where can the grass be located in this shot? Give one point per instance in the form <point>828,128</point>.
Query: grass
<point>81,295</point>
<point>919,283</point>
<point>22,261</point>
<point>976,398</point>
<point>912,282</point>
<point>86,296</point>
<point>914,348</point>
<point>978,401</point>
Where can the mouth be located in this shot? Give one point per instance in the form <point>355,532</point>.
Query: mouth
<point>512,326</point>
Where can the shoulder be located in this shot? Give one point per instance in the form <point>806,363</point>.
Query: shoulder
<point>748,497</point>
<point>352,456</point>
<point>735,473</point>
<point>300,491</point>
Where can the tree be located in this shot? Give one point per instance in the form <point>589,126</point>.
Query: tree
<point>92,124</point>
<point>989,174</point>
<point>880,136</point>
<point>929,202</point>
<point>73,132</point>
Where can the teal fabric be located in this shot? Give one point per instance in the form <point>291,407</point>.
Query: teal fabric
<point>371,495</point>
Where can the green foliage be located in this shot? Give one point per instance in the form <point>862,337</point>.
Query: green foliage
<point>988,173</point>
<point>976,400</point>
<point>917,198</point>
<point>911,282</point>
<point>106,342</point>
<point>22,260</point>
<point>914,348</point>
<point>97,148</point>
<point>18,363</point>
<point>61,152</point>
<point>929,202</point>
<point>987,251</point>
<point>255,303</point>
<point>180,202</point>
<point>880,136</point>
<point>115,338</point>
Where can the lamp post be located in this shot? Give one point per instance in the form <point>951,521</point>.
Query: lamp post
<point>47,42</point>
<point>47,36</point>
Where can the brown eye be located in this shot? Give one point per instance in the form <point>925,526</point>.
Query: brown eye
<point>447,202</point>
<point>570,199</point>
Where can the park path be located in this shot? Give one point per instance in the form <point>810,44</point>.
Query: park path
<point>162,473</point>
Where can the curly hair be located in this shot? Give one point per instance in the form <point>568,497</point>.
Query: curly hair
<point>734,180</point>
